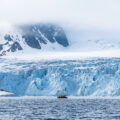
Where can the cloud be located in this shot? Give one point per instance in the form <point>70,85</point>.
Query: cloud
<point>102,13</point>
<point>90,18</point>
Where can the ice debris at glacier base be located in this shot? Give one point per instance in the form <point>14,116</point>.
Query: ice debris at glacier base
<point>88,77</point>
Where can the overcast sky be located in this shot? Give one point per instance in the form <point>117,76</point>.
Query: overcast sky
<point>82,19</point>
<point>103,14</point>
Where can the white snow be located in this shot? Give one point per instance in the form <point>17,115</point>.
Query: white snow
<point>4,93</point>
<point>42,55</point>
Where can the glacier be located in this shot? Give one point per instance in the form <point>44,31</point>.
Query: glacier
<point>83,77</point>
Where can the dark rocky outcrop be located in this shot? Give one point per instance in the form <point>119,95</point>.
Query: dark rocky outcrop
<point>1,47</point>
<point>8,37</point>
<point>42,33</point>
<point>11,48</point>
<point>15,46</point>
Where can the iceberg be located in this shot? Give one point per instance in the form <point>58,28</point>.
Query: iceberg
<point>6,94</point>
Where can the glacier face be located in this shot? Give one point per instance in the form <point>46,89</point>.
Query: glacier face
<point>88,77</point>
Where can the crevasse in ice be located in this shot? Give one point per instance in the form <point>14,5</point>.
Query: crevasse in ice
<point>88,77</point>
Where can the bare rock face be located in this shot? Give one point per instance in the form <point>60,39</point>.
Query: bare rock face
<point>9,46</point>
<point>42,33</point>
<point>33,36</point>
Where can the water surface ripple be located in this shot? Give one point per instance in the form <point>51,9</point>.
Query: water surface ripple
<point>59,109</point>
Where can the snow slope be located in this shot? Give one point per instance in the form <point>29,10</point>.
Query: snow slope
<point>36,39</point>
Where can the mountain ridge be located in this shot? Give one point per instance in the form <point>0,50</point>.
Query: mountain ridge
<point>34,36</point>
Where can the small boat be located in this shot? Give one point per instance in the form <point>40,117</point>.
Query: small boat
<point>62,96</point>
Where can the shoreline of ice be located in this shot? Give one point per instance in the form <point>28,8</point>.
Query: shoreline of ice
<point>55,97</point>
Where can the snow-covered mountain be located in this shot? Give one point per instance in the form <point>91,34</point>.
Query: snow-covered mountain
<point>37,36</point>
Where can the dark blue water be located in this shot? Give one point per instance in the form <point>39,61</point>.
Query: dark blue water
<point>59,109</point>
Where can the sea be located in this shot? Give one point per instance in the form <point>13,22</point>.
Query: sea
<point>52,108</point>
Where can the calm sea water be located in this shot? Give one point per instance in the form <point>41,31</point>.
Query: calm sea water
<point>59,109</point>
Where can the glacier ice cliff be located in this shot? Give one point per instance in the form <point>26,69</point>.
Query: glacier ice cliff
<point>88,77</point>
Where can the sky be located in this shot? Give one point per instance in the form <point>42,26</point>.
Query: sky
<point>92,13</point>
<point>92,17</point>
